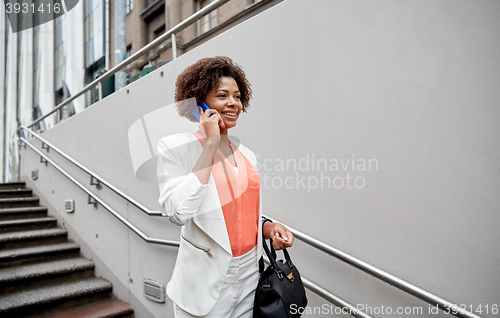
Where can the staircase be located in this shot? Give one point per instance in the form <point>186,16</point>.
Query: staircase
<point>42,273</point>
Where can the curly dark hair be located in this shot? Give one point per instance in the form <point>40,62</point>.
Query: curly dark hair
<point>204,75</point>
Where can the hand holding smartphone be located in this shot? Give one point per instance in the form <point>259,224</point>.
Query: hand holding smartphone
<point>203,106</point>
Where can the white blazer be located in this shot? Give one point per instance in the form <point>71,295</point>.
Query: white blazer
<point>205,251</point>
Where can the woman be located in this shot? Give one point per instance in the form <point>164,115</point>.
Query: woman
<point>211,188</point>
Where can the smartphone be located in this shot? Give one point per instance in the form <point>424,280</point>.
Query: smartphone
<point>204,107</point>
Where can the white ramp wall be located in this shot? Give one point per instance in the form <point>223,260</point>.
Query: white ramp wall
<point>376,124</point>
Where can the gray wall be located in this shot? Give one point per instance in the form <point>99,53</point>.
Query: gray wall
<point>412,86</point>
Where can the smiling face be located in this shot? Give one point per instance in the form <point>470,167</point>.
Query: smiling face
<point>226,99</point>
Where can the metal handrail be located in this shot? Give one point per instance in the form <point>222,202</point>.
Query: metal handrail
<point>93,174</point>
<point>334,299</point>
<point>382,275</point>
<point>347,307</point>
<point>152,45</point>
<point>100,201</point>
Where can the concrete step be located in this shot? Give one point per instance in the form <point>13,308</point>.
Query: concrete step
<point>29,238</point>
<point>15,193</point>
<point>22,302</point>
<point>19,256</point>
<point>36,274</point>
<point>18,202</point>
<point>13,185</point>
<point>42,274</point>
<point>22,213</point>
<point>106,308</point>
<point>27,224</point>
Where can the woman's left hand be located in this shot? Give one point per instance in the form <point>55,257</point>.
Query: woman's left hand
<point>282,237</point>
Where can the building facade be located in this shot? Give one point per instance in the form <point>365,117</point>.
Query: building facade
<point>42,66</point>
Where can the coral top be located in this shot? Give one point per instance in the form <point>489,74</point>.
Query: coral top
<point>239,198</point>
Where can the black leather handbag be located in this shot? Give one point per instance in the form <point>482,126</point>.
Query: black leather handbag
<point>280,292</point>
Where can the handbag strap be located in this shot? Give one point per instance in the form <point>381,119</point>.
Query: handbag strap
<point>285,252</point>
<point>261,260</point>
<point>273,251</point>
<point>287,258</point>
<point>271,254</point>
<point>272,257</point>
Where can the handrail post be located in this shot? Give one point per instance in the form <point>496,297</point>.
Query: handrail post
<point>100,90</point>
<point>174,47</point>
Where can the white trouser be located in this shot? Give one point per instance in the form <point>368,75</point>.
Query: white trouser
<point>238,290</point>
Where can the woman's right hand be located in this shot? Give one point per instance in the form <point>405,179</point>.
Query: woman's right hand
<point>210,126</point>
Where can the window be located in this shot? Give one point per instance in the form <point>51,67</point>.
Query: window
<point>93,31</point>
<point>36,62</point>
<point>93,39</point>
<point>159,31</point>
<point>91,73</point>
<point>128,54</point>
<point>208,21</point>
<point>130,6</point>
<point>129,50</point>
<point>37,113</point>
<point>61,95</point>
<point>59,52</point>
